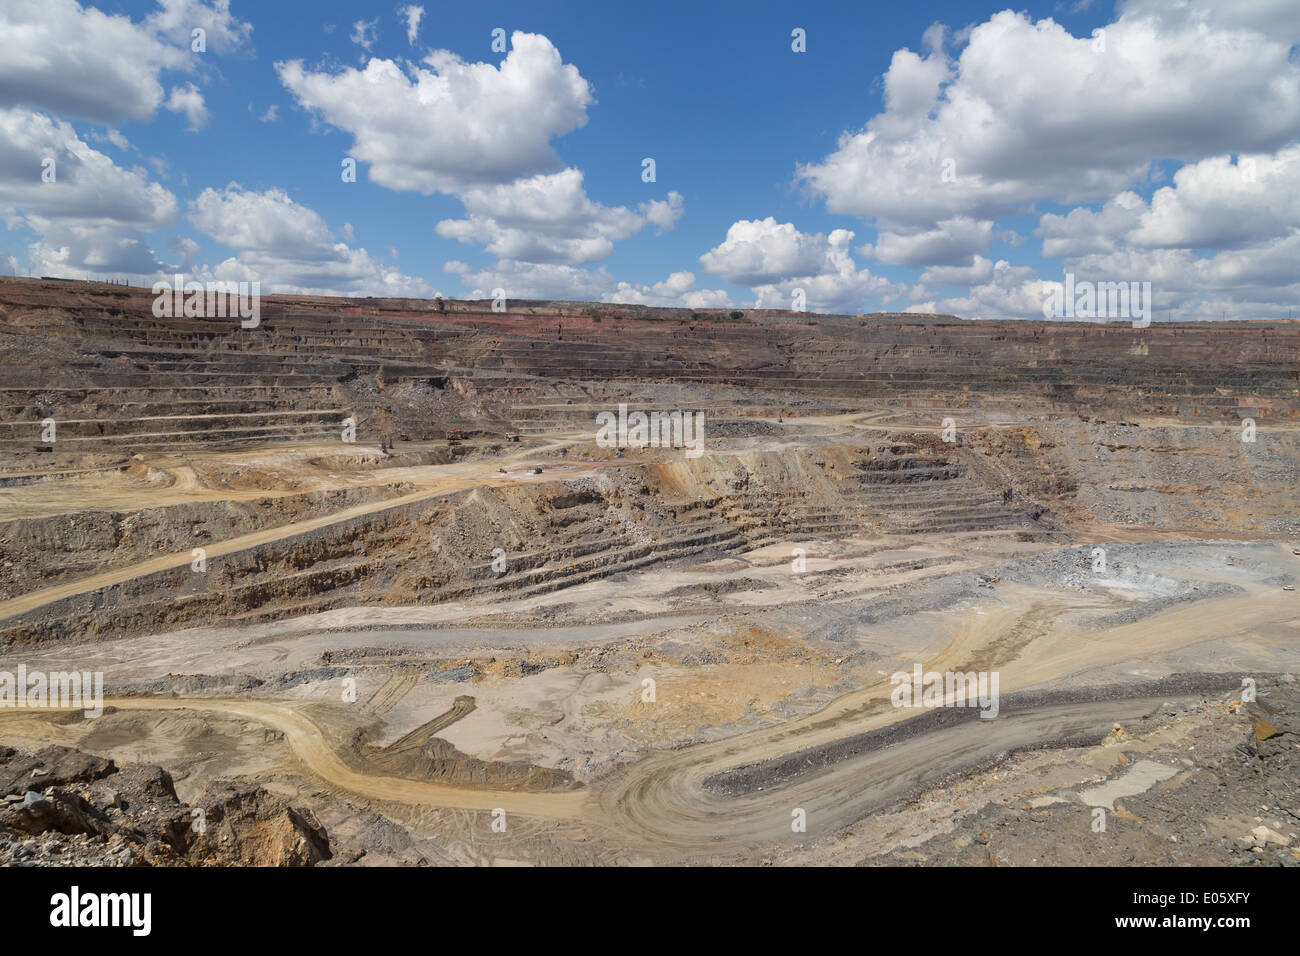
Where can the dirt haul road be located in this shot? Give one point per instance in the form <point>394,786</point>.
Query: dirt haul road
<point>678,802</point>
<point>675,799</point>
<point>669,802</point>
<point>439,480</point>
<point>743,792</point>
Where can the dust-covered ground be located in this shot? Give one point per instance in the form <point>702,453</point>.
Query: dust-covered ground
<point>474,634</point>
<point>591,721</point>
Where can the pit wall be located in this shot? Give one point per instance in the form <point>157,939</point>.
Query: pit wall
<point>1043,483</point>
<point>553,534</point>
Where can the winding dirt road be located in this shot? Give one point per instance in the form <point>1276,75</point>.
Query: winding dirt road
<point>664,803</point>
<point>667,803</point>
<point>437,480</point>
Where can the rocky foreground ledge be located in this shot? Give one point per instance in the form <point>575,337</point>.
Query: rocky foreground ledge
<point>64,807</point>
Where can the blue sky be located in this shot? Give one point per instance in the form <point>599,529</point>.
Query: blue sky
<point>227,162</point>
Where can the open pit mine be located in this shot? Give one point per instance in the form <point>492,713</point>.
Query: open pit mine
<point>406,582</point>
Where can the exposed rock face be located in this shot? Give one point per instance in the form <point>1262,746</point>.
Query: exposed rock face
<point>50,767</point>
<point>66,807</point>
<point>79,352</point>
<point>1232,799</point>
<point>431,475</point>
<point>1039,482</point>
<point>256,828</point>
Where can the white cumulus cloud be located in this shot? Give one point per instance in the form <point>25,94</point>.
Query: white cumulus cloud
<point>82,63</point>
<point>1028,112</point>
<point>188,100</point>
<point>90,213</point>
<point>677,291</point>
<point>290,248</point>
<point>454,125</point>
